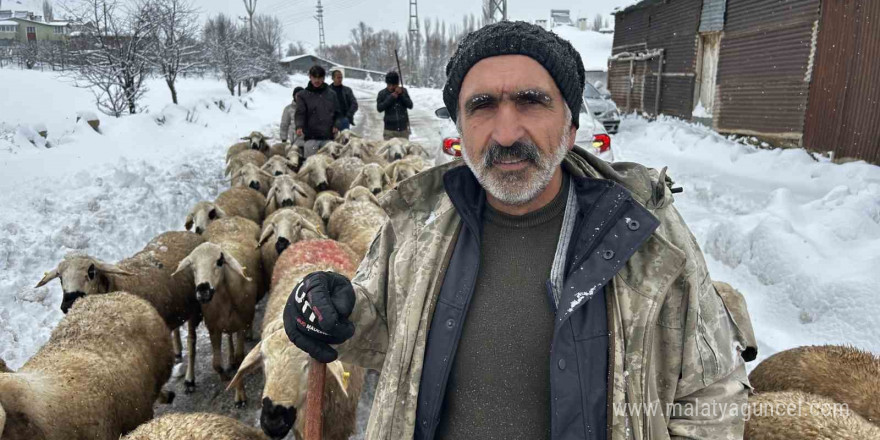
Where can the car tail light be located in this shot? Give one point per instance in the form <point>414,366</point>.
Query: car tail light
<point>452,146</point>
<point>602,142</point>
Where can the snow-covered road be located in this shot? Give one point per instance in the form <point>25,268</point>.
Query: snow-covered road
<point>800,238</point>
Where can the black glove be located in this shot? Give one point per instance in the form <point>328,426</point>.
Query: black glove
<point>317,312</point>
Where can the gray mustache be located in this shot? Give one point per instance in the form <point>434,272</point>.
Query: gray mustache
<point>515,151</point>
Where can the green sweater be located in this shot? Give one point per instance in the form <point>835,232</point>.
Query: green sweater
<point>499,386</point>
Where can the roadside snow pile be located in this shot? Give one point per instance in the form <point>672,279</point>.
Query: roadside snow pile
<point>799,238</point>
<point>595,48</point>
<point>105,194</point>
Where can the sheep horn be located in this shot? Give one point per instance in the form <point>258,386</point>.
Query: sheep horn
<point>48,276</point>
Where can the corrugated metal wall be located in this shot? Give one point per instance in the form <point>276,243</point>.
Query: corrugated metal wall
<point>763,71</point>
<point>844,105</point>
<point>671,26</point>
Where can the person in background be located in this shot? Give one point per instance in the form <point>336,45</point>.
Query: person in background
<point>288,129</point>
<point>394,101</point>
<point>348,105</point>
<point>317,112</point>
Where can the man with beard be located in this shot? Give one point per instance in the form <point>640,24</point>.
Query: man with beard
<point>317,113</point>
<point>535,291</point>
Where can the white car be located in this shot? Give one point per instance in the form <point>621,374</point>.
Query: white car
<point>591,135</point>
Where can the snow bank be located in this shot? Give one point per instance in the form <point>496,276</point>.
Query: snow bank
<point>104,194</point>
<point>595,48</point>
<point>799,238</point>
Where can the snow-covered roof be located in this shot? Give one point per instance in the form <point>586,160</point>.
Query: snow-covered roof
<point>293,58</point>
<point>296,57</point>
<point>8,23</point>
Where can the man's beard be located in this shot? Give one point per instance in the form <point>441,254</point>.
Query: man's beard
<point>516,188</point>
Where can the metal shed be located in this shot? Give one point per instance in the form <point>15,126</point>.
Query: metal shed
<point>302,64</point>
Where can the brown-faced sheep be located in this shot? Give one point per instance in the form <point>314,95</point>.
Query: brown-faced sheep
<point>251,176</point>
<point>228,277</point>
<point>314,171</point>
<point>279,165</point>
<point>255,141</point>
<point>372,176</point>
<point>146,274</point>
<point>195,426</point>
<point>234,202</point>
<point>342,172</point>
<point>96,378</point>
<point>795,415</point>
<point>285,227</point>
<point>844,374</point>
<point>326,202</point>
<point>356,222</point>
<point>287,191</point>
<point>238,161</point>
<point>285,367</point>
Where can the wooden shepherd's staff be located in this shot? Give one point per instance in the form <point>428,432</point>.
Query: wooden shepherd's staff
<point>315,400</point>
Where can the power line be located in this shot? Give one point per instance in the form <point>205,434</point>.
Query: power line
<point>320,18</point>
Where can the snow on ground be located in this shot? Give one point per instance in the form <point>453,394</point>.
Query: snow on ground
<point>595,48</point>
<point>799,238</point>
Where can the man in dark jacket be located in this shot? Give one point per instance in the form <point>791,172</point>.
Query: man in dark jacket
<point>394,101</point>
<point>532,290</point>
<point>317,112</point>
<point>345,99</point>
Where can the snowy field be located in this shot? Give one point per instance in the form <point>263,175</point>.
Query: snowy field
<point>800,238</point>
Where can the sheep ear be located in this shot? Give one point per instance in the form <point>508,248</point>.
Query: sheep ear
<point>111,269</point>
<point>383,149</point>
<point>263,172</point>
<point>267,232</point>
<point>220,212</point>
<point>310,227</point>
<point>395,175</point>
<point>386,179</point>
<point>339,200</point>
<point>271,194</point>
<point>329,173</point>
<point>338,372</point>
<point>373,198</point>
<point>48,276</point>
<point>236,267</point>
<point>189,222</point>
<point>358,181</point>
<point>251,363</point>
<point>184,263</point>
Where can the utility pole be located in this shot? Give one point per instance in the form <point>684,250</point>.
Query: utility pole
<point>251,7</point>
<point>320,18</point>
<point>414,52</point>
<point>497,8</point>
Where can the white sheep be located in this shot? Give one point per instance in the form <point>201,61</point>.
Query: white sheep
<point>403,169</point>
<point>228,277</point>
<point>238,161</point>
<point>236,201</point>
<point>796,415</point>
<point>393,149</point>
<point>95,378</point>
<point>332,149</point>
<point>278,165</point>
<point>342,172</point>
<point>254,141</point>
<point>285,227</point>
<point>293,154</point>
<point>195,426</point>
<point>362,150</point>
<point>287,191</point>
<point>251,176</point>
<point>372,176</point>
<point>278,149</point>
<point>326,202</point>
<point>146,274</point>
<point>285,367</point>
<point>344,136</point>
<point>356,222</point>
<point>314,171</point>
<point>416,149</point>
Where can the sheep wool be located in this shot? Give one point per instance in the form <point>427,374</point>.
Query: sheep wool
<point>96,378</point>
<point>818,418</point>
<point>342,172</point>
<point>195,426</point>
<point>844,374</point>
<point>355,223</point>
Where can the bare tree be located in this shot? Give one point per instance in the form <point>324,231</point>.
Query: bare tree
<point>112,59</point>
<point>362,39</point>
<point>48,13</point>
<point>175,47</point>
<point>597,22</point>
<point>299,49</point>
<point>222,41</point>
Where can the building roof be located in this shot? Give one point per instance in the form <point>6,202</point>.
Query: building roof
<point>8,23</point>
<point>53,23</point>
<point>293,58</point>
<point>640,5</point>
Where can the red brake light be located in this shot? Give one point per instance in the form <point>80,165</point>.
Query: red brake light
<point>602,142</point>
<point>452,146</point>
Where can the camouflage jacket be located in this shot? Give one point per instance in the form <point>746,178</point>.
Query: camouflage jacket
<point>675,346</point>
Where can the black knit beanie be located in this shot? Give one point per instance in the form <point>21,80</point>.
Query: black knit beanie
<point>518,38</point>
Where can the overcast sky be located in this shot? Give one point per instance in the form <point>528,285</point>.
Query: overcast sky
<point>340,16</point>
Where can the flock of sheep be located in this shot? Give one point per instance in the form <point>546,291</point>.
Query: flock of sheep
<point>108,360</point>
<point>283,217</point>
